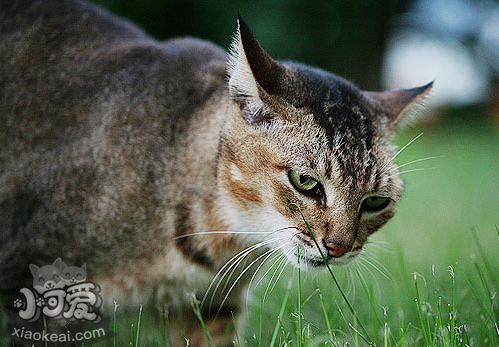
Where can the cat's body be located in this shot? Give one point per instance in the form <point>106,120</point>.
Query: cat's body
<point>95,126</point>
<point>114,145</point>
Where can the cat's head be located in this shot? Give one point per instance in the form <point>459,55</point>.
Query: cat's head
<point>46,277</point>
<point>304,144</point>
<point>73,274</point>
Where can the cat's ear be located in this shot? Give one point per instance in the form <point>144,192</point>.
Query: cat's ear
<point>57,263</point>
<point>63,265</point>
<point>252,72</point>
<point>34,268</point>
<point>84,267</point>
<point>398,103</point>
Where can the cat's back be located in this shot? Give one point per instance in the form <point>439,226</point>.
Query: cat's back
<point>68,68</point>
<point>92,114</point>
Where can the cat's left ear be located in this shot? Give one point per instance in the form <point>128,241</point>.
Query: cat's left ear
<point>252,72</point>
<point>398,103</point>
<point>57,263</point>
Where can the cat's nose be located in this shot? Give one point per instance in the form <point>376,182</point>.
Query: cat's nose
<point>335,249</point>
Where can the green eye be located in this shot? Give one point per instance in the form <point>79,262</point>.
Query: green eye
<point>375,203</point>
<point>302,183</point>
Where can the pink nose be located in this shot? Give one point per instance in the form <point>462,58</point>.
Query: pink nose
<point>336,250</point>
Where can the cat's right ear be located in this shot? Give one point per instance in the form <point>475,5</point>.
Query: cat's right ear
<point>57,263</point>
<point>398,103</point>
<point>34,268</point>
<point>252,73</point>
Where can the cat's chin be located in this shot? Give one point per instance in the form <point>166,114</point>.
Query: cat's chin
<point>307,263</point>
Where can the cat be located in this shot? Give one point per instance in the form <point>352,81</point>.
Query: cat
<point>47,277</point>
<point>144,160</point>
<point>73,274</point>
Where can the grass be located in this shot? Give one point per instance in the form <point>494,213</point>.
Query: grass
<point>431,278</point>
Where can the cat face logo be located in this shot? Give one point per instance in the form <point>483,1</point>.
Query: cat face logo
<point>60,291</point>
<point>73,274</point>
<point>47,277</point>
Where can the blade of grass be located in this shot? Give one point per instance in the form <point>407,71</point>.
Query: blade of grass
<point>132,335</point>
<point>422,320</point>
<point>367,338</point>
<point>485,261</point>
<point>260,323</point>
<point>453,310</point>
<point>437,322</point>
<point>479,301</point>
<point>315,292</point>
<point>115,324</point>
<point>166,327</point>
<point>197,312</point>
<point>286,341</point>
<point>138,326</point>
<point>281,312</point>
<point>45,328</point>
<point>300,321</point>
<point>326,318</point>
<point>235,329</point>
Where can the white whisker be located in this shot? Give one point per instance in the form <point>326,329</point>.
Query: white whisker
<point>386,275</point>
<point>286,263</point>
<point>215,232</point>
<point>228,262</point>
<point>241,275</point>
<point>406,171</point>
<point>280,261</point>
<point>416,161</point>
<point>366,267</point>
<point>403,148</point>
<point>353,284</point>
<point>255,273</point>
<point>234,266</point>
<point>283,263</point>
<point>378,246</point>
<point>221,232</point>
<point>275,260</point>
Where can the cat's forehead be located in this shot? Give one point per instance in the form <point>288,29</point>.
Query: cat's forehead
<point>340,111</point>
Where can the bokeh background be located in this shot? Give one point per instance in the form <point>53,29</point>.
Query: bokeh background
<point>450,210</point>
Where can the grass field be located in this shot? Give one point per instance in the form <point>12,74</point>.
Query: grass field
<point>429,278</point>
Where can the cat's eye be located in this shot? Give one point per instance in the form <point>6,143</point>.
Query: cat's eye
<point>41,279</point>
<point>78,275</point>
<point>68,274</point>
<point>307,186</point>
<point>55,277</point>
<point>374,203</point>
<point>301,182</point>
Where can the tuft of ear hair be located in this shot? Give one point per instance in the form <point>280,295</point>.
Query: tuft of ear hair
<point>57,263</point>
<point>397,103</point>
<point>252,71</point>
<point>33,268</point>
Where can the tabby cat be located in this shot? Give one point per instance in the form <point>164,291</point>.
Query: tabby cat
<point>137,157</point>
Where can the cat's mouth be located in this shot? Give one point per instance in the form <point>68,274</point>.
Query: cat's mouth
<point>313,262</point>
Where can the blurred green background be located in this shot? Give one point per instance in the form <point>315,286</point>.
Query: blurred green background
<point>366,41</point>
<point>342,36</point>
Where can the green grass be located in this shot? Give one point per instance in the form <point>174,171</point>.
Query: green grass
<point>431,279</point>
